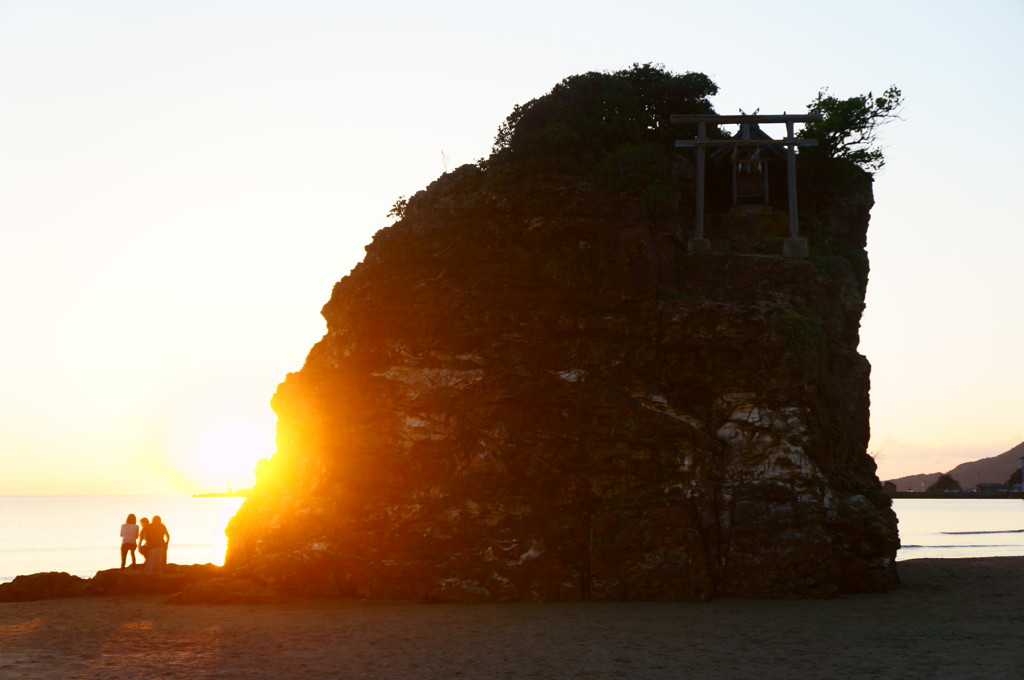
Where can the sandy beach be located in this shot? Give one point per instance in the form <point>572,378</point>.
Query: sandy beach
<point>949,619</point>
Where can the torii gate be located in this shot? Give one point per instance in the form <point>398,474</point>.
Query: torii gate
<point>794,246</point>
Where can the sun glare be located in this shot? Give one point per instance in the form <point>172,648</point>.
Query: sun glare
<point>222,454</point>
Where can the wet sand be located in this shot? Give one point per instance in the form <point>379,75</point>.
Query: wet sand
<point>949,619</point>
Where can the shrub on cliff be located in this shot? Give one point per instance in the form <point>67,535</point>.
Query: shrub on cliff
<point>840,168</point>
<point>849,129</point>
<point>600,123</point>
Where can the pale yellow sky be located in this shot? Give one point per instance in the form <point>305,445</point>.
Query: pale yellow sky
<point>182,184</point>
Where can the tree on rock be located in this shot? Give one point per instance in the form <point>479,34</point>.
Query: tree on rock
<point>586,118</point>
<point>850,127</point>
<point>1014,479</point>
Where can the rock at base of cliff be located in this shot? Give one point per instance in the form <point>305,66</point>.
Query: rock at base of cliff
<point>42,586</point>
<point>138,582</point>
<point>226,591</point>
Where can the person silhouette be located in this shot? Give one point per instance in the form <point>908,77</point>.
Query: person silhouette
<point>143,545</point>
<point>129,535</point>
<point>157,538</point>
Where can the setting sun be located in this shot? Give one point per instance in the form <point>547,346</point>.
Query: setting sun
<point>220,452</point>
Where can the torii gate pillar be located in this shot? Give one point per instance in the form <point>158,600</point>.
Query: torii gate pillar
<point>794,246</point>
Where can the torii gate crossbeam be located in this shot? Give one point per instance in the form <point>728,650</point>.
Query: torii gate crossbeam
<point>794,246</point>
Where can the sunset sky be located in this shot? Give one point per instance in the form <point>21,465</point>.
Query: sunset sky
<point>182,183</point>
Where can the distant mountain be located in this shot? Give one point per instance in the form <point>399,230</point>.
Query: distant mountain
<point>994,469</point>
<point>916,482</point>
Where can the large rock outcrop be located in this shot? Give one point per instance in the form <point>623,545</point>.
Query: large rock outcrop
<point>529,390</point>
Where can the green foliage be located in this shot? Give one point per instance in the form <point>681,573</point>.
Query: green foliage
<point>638,169</point>
<point>1013,479</point>
<point>676,295</point>
<point>850,126</point>
<point>612,120</point>
<point>802,324</point>
<point>398,209</point>
<point>945,483</point>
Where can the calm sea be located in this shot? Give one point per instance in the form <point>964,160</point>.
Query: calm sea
<point>962,527</point>
<point>81,534</point>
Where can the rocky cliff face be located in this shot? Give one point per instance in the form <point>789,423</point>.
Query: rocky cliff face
<point>533,392</point>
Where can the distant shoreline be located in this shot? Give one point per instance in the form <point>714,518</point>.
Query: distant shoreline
<point>241,493</point>
<point>958,494</point>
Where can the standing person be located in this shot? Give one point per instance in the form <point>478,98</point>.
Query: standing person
<point>129,535</point>
<point>157,538</point>
<point>143,545</point>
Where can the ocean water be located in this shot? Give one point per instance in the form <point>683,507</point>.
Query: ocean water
<point>961,527</point>
<point>81,534</point>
